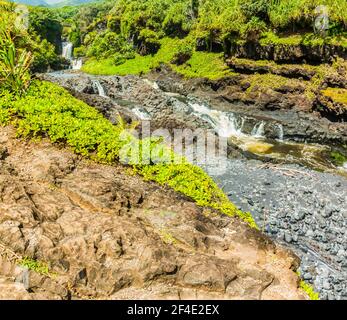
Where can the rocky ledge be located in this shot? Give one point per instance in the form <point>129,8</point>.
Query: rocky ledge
<point>107,234</point>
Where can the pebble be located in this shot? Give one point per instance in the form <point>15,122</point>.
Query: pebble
<point>307,214</point>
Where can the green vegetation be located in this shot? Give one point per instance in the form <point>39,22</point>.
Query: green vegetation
<point>270,81</point>
<point>43,52</point>
<point>338,158</point>
<point>47,110</point>
<point>199,64</point>
<point>309,290</point>
<point>337,95</point>
<point>112,33</point>
<point>307,39</point>
<point>14,65</point>
<point>34,265</point>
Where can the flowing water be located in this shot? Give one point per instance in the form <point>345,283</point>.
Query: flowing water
<point>142,114</point>
<point>67,53</point>
<point>231,126</point>
<point>67,50</point>
<point>99,88</point>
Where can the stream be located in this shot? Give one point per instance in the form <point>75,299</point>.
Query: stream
<point>294,192</point>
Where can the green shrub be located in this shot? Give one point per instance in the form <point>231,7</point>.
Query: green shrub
<point>47,110</point>
<point>34,265</point>
<point>183,53</point>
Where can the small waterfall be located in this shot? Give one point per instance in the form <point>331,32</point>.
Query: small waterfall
<point>142,114</point>
<point>228,125</point>
<point>153,84</point>
<point>101,91</point>
<point>67,50</point>
<point>258,130</point>
<point>224,123</point>
<point>67,54</point>
<point>77,64</point>
<point>280,132</point>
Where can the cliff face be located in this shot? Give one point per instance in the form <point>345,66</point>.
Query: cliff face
<point>107,234</point>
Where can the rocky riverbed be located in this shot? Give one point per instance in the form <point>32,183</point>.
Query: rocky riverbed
<point>302,208</point>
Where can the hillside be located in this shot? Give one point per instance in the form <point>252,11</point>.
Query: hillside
<point>163,149</point>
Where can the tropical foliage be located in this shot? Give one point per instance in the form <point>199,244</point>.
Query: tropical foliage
<point>120,29</point>
<point>47,110</point>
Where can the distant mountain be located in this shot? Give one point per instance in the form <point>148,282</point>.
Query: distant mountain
<point>32,2</point>
<point>63,3</point>
<point>53,3</point>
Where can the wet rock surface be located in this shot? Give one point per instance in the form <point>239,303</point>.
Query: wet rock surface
<point>107,234</point>
<point>164,100</point>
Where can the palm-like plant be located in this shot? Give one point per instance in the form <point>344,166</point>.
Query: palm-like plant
<point>14,65</point>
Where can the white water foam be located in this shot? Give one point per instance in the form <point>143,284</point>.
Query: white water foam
<point>224,123</point>
<point>141,114</point>
<point>99,88</point>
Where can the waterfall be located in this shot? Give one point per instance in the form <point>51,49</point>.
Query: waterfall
<point>228,125</point>
<point>142,114</point>
<point>280,132</point>
<point>224,123</point>
<point>67,54</point>
<point>101,91</point>
<point>77,64</point>
<point>258,130</point>
<point>153,84</point>
<point>67,50</point>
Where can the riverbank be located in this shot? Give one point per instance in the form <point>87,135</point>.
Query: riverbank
<point>283,198</point>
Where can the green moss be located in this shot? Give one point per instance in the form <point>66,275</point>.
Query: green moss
<point>270,81</point>
<point>308,288</point>
<point>205,64</point>
<point>48,110</point>
<point>167,237</point>
<point>34,265</point>
<point>338,158</point>
<point>307,39</point>
<point>336,94</point>
<point>270,38</point>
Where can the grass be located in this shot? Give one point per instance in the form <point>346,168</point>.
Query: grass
<point>201,64</point>
<point>205,65</point>
<point>137,66</point>
<point>48,110</point>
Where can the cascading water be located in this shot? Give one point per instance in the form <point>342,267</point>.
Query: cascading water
<point>77,64</point>
<point>258,130</point>
<point>224,123</point>
<point>141,114</point>
<point>101,91</point>
<point>280,132</point>
<point>67,54</point>
<point>67,50</point>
